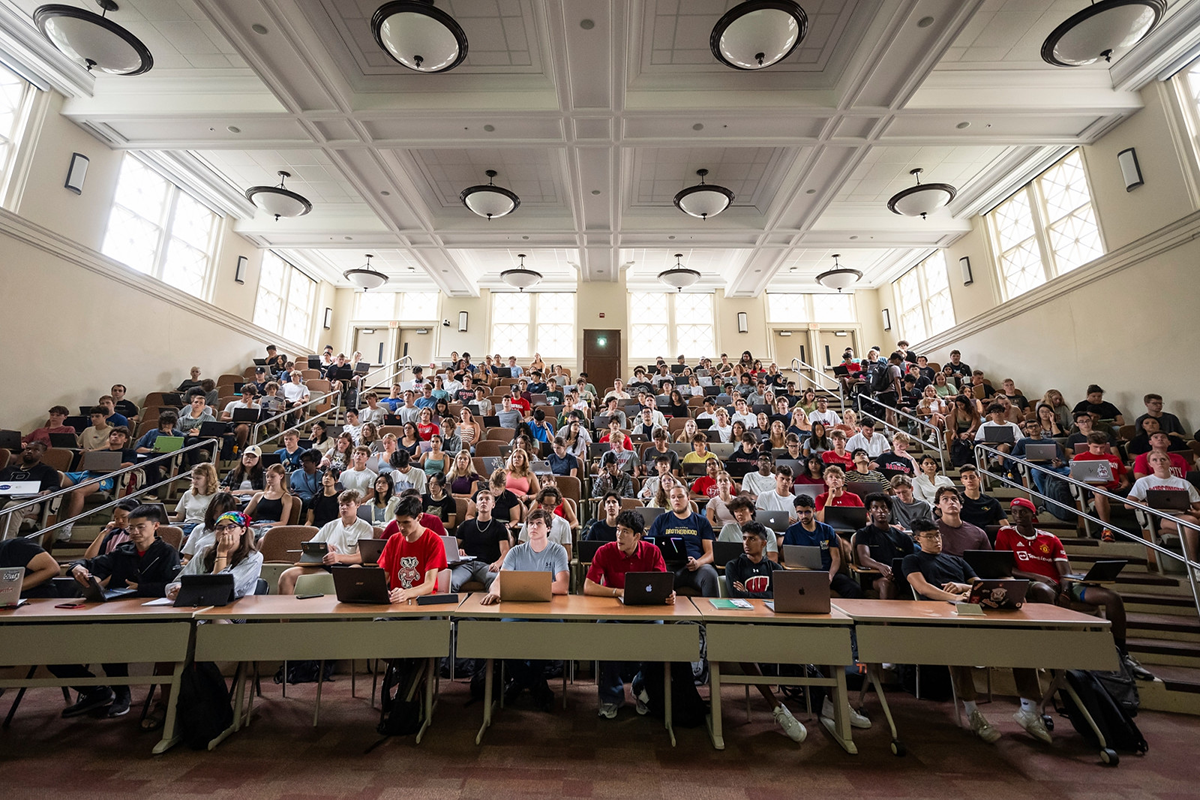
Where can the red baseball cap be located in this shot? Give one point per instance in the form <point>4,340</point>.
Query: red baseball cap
<point>1021,502</point>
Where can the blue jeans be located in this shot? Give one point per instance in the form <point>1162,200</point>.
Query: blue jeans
<point>609,684</point>
<point>1039,477</point>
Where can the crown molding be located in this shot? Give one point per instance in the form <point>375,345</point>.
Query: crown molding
<point>24,50</point>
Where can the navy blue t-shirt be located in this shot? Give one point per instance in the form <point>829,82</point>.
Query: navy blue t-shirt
<point>823,536</point>
<point>693,530</point>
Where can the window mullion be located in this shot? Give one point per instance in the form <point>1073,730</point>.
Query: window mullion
<point>164,232</point>
<point>1041,228</point>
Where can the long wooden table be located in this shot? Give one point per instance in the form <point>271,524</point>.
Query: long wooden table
<point>566,628</point>
<point>1037,636</point>
<point>316,629</point>
<point>759,634</point>
<point>117,632</point>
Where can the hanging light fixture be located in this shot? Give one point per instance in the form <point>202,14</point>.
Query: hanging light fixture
<point>679,277</point>
<point>839,277</point>
<point>1101,29</point>
<point>419,36</point>
<point>703,200</point>
<point>279,201</point>
<point>521,277</point>
<point>758,33</point>
<point>922,199</point>
<point>93,40</point>
<point>489,200</point>
<point>365,277</point>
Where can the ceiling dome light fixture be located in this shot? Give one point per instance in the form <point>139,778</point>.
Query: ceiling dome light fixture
<point>758,33</point>
<point>93,40</point>
<point>489,200</point>
<point>521,277</point>
<point>365,277</point>
<point>703,200</point>
<point>1101,29</point>
<point>679,277</point>
<point>839,277</point>
<point>922,199</point>
<point>419,36</point>
<point>279,201</point>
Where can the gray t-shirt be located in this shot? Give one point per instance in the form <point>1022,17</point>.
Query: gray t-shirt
<point>523,558</point>
<point>509,419</point>
<point>903,514</point>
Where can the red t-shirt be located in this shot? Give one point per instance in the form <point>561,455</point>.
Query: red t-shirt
<point>706,486</point>
<point>847,500</point>
<point>609,565</point>
<point>407,562</point>
<point>427,521</point>
<point>1037,555</point>
<point>628,444</point>
<point>846,461</point>
<point>520,402</point>
<point>1118,467</point>
<point>426,432</point>
<point>1179,465</point>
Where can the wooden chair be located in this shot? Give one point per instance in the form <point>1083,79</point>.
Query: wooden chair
<point>488,447</point>
<point>59,458</point>
<point>5,455</point>
<point>498,435</point>
<point>460,512</point>
<point>172,535</point>
<point>571,488</point>
<point>230,379</point>
<point>281,544</point>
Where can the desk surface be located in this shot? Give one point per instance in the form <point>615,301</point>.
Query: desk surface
<point>761,614</point>
<point>934,612</point>
<point>286,606</point>
<point>581,607</point>
<point>131,609</point>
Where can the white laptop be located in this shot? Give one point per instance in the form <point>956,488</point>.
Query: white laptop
<point>1098,472</point>
<point>17,489</point>
<point>452,556</point>
<point>10,586</point>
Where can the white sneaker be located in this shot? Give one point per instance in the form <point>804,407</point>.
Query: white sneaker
<point>640,700</point>
<point>63,534</point>
<point>982,728</point>
<point>857,720</point>
<point>1032,722</point>
<point>791,726</point>
<point>609,710</point>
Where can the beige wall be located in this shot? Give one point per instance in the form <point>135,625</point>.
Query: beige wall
<point>227,294</point>
<point>612,300</point>
<point>757,339</point>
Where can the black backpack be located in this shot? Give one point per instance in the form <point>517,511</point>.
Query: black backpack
<point>204,710</point>
<point>688,710</point>
<point>402,701</point>
<point>881,380</point>
<point>1119,730</point>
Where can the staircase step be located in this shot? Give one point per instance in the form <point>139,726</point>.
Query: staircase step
<point>1184,602</point>
<point>1163,651</point>
<point>1177,679</point>
<point>1170,585</point>
<point>1167,627</point>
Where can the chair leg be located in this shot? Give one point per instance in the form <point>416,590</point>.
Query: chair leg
<point>21,694</point>
<point>149,697</point>
<point>320,683</point>
<point>353,677</point>
<point>285,675</point>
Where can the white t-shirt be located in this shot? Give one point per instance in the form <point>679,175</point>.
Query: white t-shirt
<point>295,392</point>
<point>721,432</point>
<point>344,539</point>
<point>375,415</point>
<point>1143,485</point>
<point>361,480</point>
<point>828,417</point>
<point>413,479</point>
<point>877,445</point>
<point>773,501</point>
<point>758,484</point>
<point>560,532</point>
<point>749,420</point>
<point>193,506</point>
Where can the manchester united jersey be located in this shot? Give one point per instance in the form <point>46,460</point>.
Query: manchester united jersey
<point>1037,554</point>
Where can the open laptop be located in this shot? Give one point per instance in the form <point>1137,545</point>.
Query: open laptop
<point>205,590</point>
<point>10,586</point>
<point>777,521</point>
<point>845,518</point>
<point>990,564</point>
<point>371,550</point>
<point>503,372</point>
<point>672,549</point>
<point>1101,571</point>
<point>167,444</point>
<point>314,362</point>
<point>173,399</point>
<point>1172,501</point>
<point>586,550</point>
<point>996,434</point>
<point>1097,472</point>
<point>520,586</point>
<point>645,588</point>
<point>724,552</point>
<point>810,489</point>
<point>450,543</point>
<point>245,415</point>
<point>1005,593</point>
<point>19,489</point>
<point>66,441</point>
<point>362,368</point>
<point>101,461</point>
<point>722,450</point>
<point>540,468</point>
<point>802,556</point>
<point>312,554</point>
<point>799,592</point>
<point>11,440</point>
<point>95,593</point>
<point>1041,453</point>
<point>492,463</point>
<point>212,430</point>
<point>361,585</point>
<point>80,424</point>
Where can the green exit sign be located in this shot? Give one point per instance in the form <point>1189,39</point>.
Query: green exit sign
<point>601,341</point>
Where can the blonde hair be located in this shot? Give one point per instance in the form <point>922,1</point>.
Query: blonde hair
<point>211,482</point>
<point>277,469</point>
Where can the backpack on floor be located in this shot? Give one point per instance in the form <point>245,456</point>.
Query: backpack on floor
<point>402,699</point>
<point>478,672</point>
<point>1120,731</point>
<point>688,710</point>
<point>813,695</point>
<point>305,672</point>
<point>203,710</point>
<point>933,682</point>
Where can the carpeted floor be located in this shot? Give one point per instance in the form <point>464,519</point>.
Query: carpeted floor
<point>573,753</point>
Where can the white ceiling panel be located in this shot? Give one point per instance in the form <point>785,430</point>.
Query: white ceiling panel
<point>532,173</point>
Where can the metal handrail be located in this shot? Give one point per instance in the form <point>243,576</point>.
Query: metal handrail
<point>299,426</point>
<point>937,432</point>
<point>1190,566</point>
<point>211,443</point>
<point>398,362</point>
<point>796,366</point>
<point>312,401</point>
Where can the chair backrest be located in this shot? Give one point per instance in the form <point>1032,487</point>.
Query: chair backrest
<point>488,447</point>
<point>262,587</point>
<point>460,511</point>
<point>172,535</point>
<point>397,430</point>
<point>294,514</point>
<point>281,544</point>
<point>499,435</point>
<point>315,583</point>
<point>58,458</point>
<point>571,488</point>
<point>230,379</point>
<point>676,424</point>
<point>310,374</point>
<point>443,581</point>
<point>5,455</point>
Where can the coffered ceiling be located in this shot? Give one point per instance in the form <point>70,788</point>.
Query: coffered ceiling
<point>596,112</point>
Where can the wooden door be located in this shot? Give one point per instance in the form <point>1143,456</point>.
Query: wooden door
<point>602,357</point>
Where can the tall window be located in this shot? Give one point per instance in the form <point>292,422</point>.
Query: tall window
<point>669,325</point>
<point>285,299</point>
<point>524,323</point>
<point>156,228</point>
<point>418,305</point>
<point>1046,229</point>
<point>792,308</point>
<point>14,94</point>
<point>375,305</point>
<point>923,299</point>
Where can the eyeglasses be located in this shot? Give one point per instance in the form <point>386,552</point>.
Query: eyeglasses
<point>229,526</point>
<point>929,535</point>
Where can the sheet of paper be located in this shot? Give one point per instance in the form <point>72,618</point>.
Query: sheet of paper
<point>160,601</point>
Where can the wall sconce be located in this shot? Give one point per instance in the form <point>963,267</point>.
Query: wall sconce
<point>77,172</point>
<point>965,264</point>
<point>887,320</point>
<point>462,322</point>
<point>239,274</point>
<point>743,322</point>
<point>328,318</point>
<point>1131,171</point>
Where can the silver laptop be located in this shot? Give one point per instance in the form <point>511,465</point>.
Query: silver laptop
<point>810,489</point>
<point>1098,472</point>
<point>1041,452</point>
<point>101,461</point>
<point>10,586</point>
<point>799,592</point>
<point>722,450</point>
<point>532,586</point>
<point>452,556</point>
<point>777,521</point>
<point>19,489</point>
<point>802,556</point>
<point>540,467</point>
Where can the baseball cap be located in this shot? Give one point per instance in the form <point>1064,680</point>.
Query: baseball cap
<point>1021,502</point>
<point>253,450</point>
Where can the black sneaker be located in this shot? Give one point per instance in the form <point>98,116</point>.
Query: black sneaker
<point>98,697</point>
<point>1139,672</point>
<point>120,704</point>
<point>543,697</point>
<point>512,692</point>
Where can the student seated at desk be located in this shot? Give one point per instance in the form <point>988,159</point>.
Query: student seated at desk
<point>749,575</point>
<point>232,551</point>
<point>807,532</point>
<point>484,537</point>
<point>559,527</point>
<point>248,476</point>
<point>606,578</point>
<point>118,439</point>
<point>413,559</point>
<point>273,505</point>
<point>342,535</point>
<point>39,566</point>
<point>604,529</point>
<point>696,533</point>
<point>146,564</point>
<point>539,554</point>
<point>743,512</point>
<point>115,533</point>
<point>878,543</point>
<point>836,495</point>
<point>26,466</point>
<point>204,535</point>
